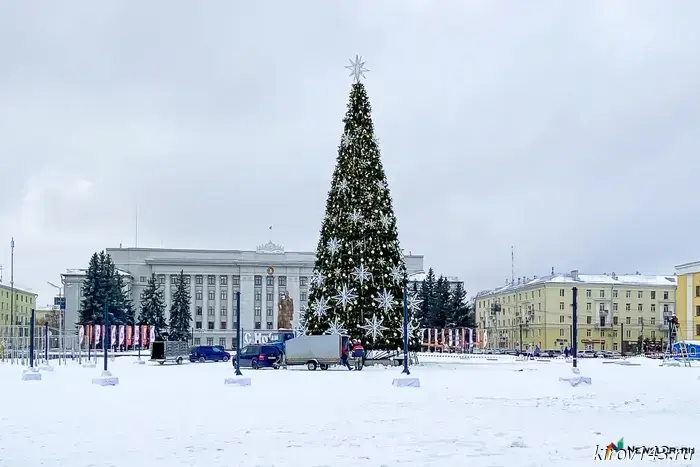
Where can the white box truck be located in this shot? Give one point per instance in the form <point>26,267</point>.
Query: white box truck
<point>315,351</point>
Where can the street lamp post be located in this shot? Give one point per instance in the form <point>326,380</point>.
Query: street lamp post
<point>405,370</point>
<point>238,334</point>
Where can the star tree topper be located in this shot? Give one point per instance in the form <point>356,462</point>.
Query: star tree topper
<point>357,68</point>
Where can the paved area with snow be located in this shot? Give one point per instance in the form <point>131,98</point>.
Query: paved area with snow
<point>464,414</point>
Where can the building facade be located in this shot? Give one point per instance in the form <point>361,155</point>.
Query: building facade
<point>24,301</point>
<point>688,300</point>
<point>262,277</point>
<point>613,311</point>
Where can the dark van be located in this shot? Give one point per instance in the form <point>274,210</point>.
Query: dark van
<point>212,353</point>
<point>260,356</point>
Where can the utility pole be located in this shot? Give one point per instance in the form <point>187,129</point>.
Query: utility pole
<point>574,328</point>
<point>12,289</point>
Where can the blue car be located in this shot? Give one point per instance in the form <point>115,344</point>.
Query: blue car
<point>257,356</point>
<point>211,353</point>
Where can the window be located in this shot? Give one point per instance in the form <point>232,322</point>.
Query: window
<point>303,296</point>
<point>628,293</point>
<point>588,333</point>
<point>161,279</point>
<point>665,294</point>
<point>210,340</point>
<point>199,311</point>
<point>628,320</point>
<point>601,307</point>
<point>697,329</point>
<point>653,321</point>
<point>282,281</point>
<point>653,294</point>
<point>258,296</point>
<point>223,326</point>
<point>198,295</point>
<point>640,321</point>
<point>588,293</point>
<point>210,311</point>
<point>222,342</point>
<point>233,343</point>
<point>601,293</point>
<point>561,305</point>
<point>198,280</point>
<point>187,280</point>
<point>697,310</point>
<point>210,326</point>
<point>224,295</point>
<point>589,320</point>
<point>236,280</point>
<point>602,335</point>
<point>628,307</point>
<point>653,307</point>
<point>143,279</point>
<point>257,325</point>
<point>589,306</point>
<point>270,281</point>
<point>561,318</point>
<point>614,333</point>
<point>640,293</point>
<point>258,281</point>
<point>303,281</point>
<point>258,311</point>
<point>614,306</point>
<point>270,297</point>
<point>561,292</point>
<point>223,312</point>
<point>197,341</point>
<point>653,335</point>
<point>628,334</point>
<point>615,346</point>
<point>173,279</point>
<point>665,307</point>
<point>212,295</point>
<point>640,307</point>
<point>198,325</point>
<point>223,280</point>
<point>614,293</point>
<point>615,320</point>
<point>561,333</point>
<point>269,311</point>
<point>211,280</point>
<point>269,325</point>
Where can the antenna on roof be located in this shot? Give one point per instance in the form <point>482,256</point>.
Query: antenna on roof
<point>136,238</point>
<point>512,264</point>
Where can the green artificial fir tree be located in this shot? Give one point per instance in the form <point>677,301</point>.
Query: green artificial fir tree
<point>153,307</point>
<point>180,315</point>
<point>357,285</point>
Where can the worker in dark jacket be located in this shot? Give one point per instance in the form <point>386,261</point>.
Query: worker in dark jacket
<point>344,356</point>
<point>358,350</point>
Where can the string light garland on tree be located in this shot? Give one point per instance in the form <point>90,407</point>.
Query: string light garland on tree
<point>359,270</point>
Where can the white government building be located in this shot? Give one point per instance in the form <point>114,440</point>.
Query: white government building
<point>262,277</point>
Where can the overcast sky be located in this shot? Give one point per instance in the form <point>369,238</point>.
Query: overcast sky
<point>570,130</point>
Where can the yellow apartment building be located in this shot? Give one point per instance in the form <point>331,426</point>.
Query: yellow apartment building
<point>613,311</point>
<point>688,300</point>
<point>23,303</point>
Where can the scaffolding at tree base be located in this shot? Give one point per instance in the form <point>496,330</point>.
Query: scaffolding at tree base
<point>672,357</point>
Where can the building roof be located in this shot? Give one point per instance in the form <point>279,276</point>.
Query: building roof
<point>19,289</point>
<point>82,272</point>
<point>573,278</point>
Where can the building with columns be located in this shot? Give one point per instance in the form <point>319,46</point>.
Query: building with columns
<point>262,276</point>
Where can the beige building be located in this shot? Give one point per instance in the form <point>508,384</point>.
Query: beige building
<point>613,311</point>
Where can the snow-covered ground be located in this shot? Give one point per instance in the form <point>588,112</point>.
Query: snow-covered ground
<point>463,415</point>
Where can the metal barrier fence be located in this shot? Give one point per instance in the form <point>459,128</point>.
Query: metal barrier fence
<point>50,344</point>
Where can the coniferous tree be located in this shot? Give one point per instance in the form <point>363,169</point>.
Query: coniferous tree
<point>153,306</point>
<point>359,270</point>
<point>459,310</point>
<point>180,316</point>
<point>92,303</point>
<point>427,297</point>
<point>441,303</point>
<point>114,289</point>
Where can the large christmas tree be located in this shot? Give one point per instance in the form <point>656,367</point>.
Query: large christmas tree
<point>357,286</point>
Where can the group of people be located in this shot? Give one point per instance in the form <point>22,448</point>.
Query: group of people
<point>355,349</point>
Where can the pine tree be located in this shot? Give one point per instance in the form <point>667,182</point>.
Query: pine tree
<point>153,307</point>
<point>180,316</point>
<point>114,289</point>
<point>427,295</point>
<point>441,304</point>
<point>459,310</point>
<point>92,303</point>
<point>358,250</point>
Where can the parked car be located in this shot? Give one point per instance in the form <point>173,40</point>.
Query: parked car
<point>204,353</point>
<point>258,356</point>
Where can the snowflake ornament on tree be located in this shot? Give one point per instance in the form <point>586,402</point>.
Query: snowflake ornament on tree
<point>385,300</point>
<point>413,304</point>
<point>343,186</point>
<point>346,296</point>
<point>411,327</point>
<point>333,246</point>
<point>355,216</point>
<point>337,328</point>
<point>385,221</point>
<point>317,279</point>
<point>362,274</point>
<point>345,140</point>
<point>320,307</point>
<point>373,328</point>
<point>397,274</point>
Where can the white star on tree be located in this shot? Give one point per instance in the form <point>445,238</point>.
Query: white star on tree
<point>320,307</point>
<point>381,261</point>
<point>373,328</point>
<point>337,328</point>
<point>317,279</point>
<point>362,274</point>
<point>397,274</point>
<point>385,220</point>
<point>355,216</point>
<point>385,300</point>
<point>413,304</point>
<point>346,296</point>
<point>343,186</point>
<point>346,140</point>
<point>300,329</point>
<point>333,246</point>
<point>381,184</point>
<point>411,327</point>
<point>357,68</point>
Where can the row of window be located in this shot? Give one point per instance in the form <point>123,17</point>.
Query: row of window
<point>589,294</point>
<point>589,320</point>
<point>223,280</point>
<point>210,326</point>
